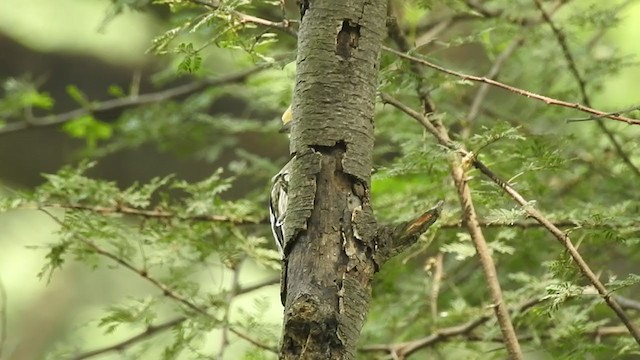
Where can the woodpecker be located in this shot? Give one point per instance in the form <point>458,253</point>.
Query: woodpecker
<point>279,193</point>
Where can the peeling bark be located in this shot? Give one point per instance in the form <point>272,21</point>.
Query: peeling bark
<point>333,245</point>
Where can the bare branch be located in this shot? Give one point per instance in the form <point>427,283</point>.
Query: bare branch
<point>260,285</point>
<point>150,331</point>
<point>527,224</point>
<point>158,214</point>
<point>394,239</point>
<point>513,89</point>
<point>457,164</point>
<point>466,330</point>
<point>627,303</point>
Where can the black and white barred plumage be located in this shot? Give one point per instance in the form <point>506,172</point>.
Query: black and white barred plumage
<point>278,206</point>
<point>279,196</point>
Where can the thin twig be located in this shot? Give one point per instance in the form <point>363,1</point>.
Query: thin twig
<point>158,214</point>
<point>407,348</point>
<point>167,291</point>
<point>582,85</point>
<point>531,212</point>
<point>482,92</point>
<point>466,330</point>
<point>513,89</point>
<point>130,101</point>
<point>597,334</point>
<point>150,331</point>
<point>527,224</point>
<point>436,281</point>
<point>627,303</point>
<point>155,329</point>
<point>593,117</point>
<point>248,289</point>
<point>235,284</point>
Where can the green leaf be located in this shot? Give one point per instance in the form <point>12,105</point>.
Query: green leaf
<point>88,128</point>
<point>38,100</point>
<point>630,280</point>
<point>77,95</point>
<point>116,91</point>
<point>55,259</point>
<point>463,249</point>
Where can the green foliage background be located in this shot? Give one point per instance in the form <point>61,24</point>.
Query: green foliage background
<point>114,260</point>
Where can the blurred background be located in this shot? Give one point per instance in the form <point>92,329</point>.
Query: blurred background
<point>80,42</point>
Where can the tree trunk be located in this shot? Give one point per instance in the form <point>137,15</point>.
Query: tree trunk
<point>330,229</point>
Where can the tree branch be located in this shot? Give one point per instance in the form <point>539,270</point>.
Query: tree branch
<point>466,330</point>
<point>457,164</point>
<point>597,334</point>
<point>260,285</point>
<point>160,214</point>
<point>407,348</point>
<point>157,214</point>
<point>526,224</point>
<point>515,90</point>
<point>466,202</point>
<point>459,175</point>
<point>129,101</point>
<point>392,240</point>
<point>150,331</point>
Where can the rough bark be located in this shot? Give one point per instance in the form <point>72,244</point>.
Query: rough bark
<point>333,245</point>
<point>330,226</point>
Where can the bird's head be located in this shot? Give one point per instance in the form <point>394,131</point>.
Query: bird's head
<point>287,119</point>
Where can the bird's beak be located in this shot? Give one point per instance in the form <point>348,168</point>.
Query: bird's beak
<point>286,128</point>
